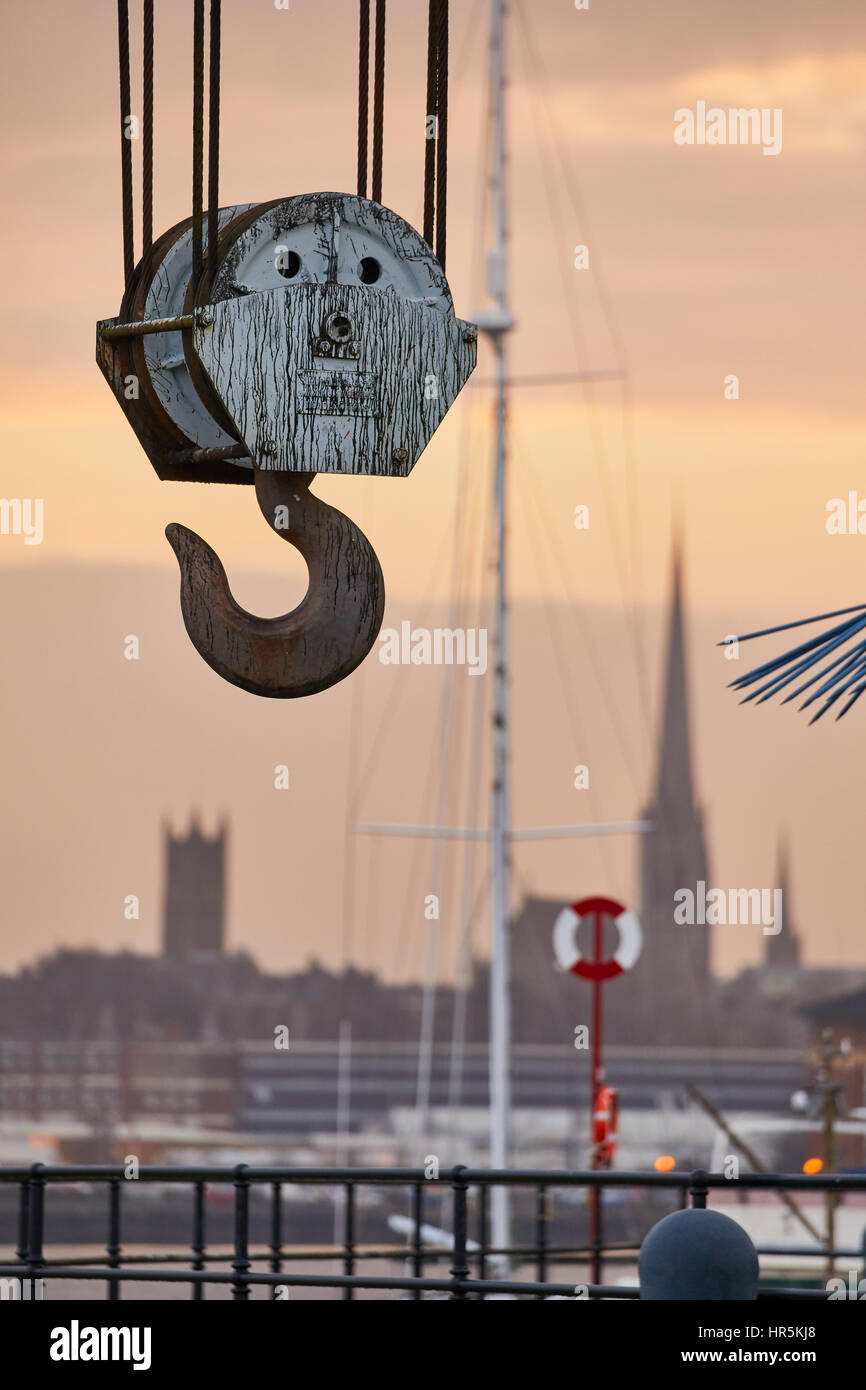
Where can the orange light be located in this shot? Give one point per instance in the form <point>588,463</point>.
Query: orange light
<point>813,1165</point>
<point>665,1164</point>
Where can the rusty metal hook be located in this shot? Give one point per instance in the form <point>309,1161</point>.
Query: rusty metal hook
<point>319,642</point>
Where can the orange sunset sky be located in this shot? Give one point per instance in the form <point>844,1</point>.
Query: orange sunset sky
<point>704,261</point>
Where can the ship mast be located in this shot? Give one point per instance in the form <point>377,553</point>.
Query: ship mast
<point>496,323</point>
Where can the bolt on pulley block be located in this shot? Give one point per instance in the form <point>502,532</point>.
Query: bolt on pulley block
<point>326,342</point>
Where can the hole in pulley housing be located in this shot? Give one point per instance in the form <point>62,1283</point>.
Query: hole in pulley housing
<point>291,267</point>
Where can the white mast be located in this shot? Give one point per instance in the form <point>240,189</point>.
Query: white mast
<point>496,323</point>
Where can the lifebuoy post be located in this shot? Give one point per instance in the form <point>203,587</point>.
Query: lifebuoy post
<point>598,971</point>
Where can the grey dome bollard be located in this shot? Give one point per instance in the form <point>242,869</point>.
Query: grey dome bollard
<point>698,1254</point>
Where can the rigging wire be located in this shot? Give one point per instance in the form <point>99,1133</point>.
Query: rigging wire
<point>125,143</point>
<point>559,646</point>
<point>664,849</point>
<point>213,134</point>
<point>378,100</point>
<point>363,94</point>
<point>147,130</point>
<point>541,85</point>
<point>550,543</point>
<point>543,955</point>
<point>197,137</point>
<point>350,851</point>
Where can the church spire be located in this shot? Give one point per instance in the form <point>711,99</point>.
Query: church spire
<point>673,980</point>
<point>783,949</point>
<point>674,771</point>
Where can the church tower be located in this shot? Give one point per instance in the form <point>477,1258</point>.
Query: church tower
<point>194,910</point>
<point>673,976</point>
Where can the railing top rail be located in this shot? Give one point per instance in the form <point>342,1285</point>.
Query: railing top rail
<point>476,1177</point>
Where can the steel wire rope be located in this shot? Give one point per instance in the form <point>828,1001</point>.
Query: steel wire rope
<point>442,132</point>
<point>363,94</point>
<point>378,100</point>
<point>125,143</point>
<point>213,135</point>
<point>197,137</point>
<point>431,115</point>
<point>399,687</point>
<point>147,129</point>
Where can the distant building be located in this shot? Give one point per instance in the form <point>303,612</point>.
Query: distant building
<point>766,1004</point>
<point>194,905</point>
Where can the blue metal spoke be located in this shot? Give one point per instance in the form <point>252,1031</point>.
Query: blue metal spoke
<point>843,675</point>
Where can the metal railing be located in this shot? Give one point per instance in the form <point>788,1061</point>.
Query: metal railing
<point>472,1260</point>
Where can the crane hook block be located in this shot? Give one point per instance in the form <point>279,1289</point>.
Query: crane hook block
<point>326,342</point>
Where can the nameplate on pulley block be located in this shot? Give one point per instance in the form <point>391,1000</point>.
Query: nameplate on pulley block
<point>337,393</point>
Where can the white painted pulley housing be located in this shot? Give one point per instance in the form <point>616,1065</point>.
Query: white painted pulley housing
<point>327,342</point>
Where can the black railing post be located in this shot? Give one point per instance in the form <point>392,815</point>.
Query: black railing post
<point>698,1188</point>
<point>595,1234</point>
<point>197,1244</point>
<point>113,1246</point>
<point>349,1237</point>
<point>541,1235</point>
<point>276,1232</point>
<point>483,1209</point>
<point>23,1220</point>
<point>36,1225</point>
<point>417,1242</point>
<point>460,1269</point>
<point>241,1263</point>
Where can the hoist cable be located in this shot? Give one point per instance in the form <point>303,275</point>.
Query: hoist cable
<point>378,101</point>
<point>125,145</point>
<point>431,120</point>
<point>213,133</point>
<point>197,137</point>
<point>363,94</point>
<point>147,131</point>
<point>441,131</point>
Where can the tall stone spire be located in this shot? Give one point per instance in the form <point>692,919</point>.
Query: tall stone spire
<point>783,949</point>
<point>673,976</point>
<point>673,782</point>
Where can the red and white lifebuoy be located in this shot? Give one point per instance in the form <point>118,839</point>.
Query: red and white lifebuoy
<point>565,945</point>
